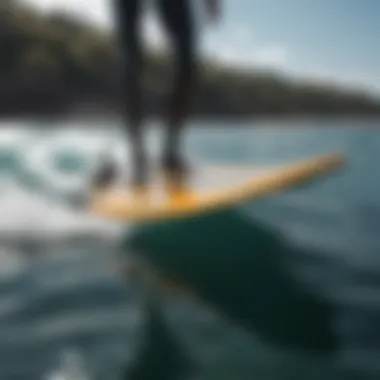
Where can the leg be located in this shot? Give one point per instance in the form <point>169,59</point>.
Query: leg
<point>128,17</point>
<point>177,17</point>
<point>127,14</point>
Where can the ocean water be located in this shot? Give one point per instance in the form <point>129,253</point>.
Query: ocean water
<point>65,303</point>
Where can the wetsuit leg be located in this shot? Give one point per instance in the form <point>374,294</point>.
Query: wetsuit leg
<point>127,17</point>
<point>178,20</point>
<point>128,14</point>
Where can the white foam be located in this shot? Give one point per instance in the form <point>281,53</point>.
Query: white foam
<point>27,215</point>
<point>72,366</point>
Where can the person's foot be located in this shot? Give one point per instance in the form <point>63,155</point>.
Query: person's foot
<point>105,175</point>
<point>175,168</point>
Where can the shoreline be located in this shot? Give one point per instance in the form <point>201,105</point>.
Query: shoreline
<point>99,113</point>
<point>102,122</point>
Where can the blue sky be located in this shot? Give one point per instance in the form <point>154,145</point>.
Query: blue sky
<point>323,39</point>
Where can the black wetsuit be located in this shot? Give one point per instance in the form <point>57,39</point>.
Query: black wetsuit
<point>176,16</point>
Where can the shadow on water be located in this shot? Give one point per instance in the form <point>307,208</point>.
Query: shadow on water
<point>242,269</point>
<point>160,346</point>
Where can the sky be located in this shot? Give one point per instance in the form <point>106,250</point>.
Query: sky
<point>330,40</point>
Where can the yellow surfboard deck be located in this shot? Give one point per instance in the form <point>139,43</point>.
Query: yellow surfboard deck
<point>208,189</point>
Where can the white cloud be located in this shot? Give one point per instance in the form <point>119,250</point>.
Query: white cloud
<point>265,57</point>
<point>271,56</point>
<point>238,45</point>
<point>95,10</point>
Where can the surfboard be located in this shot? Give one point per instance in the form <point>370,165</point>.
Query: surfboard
<point>208,189</point>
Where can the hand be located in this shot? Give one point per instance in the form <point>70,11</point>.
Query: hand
<point>213,9</point>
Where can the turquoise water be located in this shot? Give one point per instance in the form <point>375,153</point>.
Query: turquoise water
<point>60,283</point>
